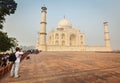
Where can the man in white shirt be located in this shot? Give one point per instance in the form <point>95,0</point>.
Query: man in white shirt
<point>15,67</point>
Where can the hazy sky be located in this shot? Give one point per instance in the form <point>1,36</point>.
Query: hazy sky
<point>87,15</point>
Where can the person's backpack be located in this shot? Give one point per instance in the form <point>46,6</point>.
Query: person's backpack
<point>12,57</point>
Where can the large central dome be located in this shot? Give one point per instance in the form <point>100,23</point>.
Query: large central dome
<point>64,23</point>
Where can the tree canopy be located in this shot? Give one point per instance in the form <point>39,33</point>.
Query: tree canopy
<point>6,43</point>
<point>7,7</point>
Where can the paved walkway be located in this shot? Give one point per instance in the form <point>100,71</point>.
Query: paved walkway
<point>68,67</point>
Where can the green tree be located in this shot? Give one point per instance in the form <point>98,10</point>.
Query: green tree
<point>7,7</point>
<point>6,43</point>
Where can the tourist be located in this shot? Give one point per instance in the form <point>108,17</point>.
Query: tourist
<point>4,62</point>
<point>15,67</point>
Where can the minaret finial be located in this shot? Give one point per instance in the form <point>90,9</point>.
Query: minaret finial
<point>43,5</point>
<point>64,16</point>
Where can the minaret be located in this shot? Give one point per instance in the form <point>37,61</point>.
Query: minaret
<point>106,34</point>
<point>43,29</point>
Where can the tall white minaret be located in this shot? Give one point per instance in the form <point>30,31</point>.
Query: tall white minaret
<point>43,29</point>
<point>106,34</point>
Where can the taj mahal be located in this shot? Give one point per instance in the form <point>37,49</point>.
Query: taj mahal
<point>67,38</point>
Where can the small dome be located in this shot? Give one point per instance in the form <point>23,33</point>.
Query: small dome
<point>64,23</point>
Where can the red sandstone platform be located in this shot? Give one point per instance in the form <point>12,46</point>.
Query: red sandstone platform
<point>68,67</point>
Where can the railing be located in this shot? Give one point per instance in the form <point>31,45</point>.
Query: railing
<point>6,69</point>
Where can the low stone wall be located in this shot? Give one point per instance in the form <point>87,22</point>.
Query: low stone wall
<point>78,48</point>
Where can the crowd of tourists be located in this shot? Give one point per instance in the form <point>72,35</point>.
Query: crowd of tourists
<point>4,59</point>
<point>33,51</point>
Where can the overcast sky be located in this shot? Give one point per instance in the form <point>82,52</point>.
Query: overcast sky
<point>87,15</point>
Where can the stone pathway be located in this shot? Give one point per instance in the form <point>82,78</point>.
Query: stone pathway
<point>68,67</point>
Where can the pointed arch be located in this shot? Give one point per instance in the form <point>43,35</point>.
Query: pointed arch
<point>63,43</point>
<point>72,40</point>
<point>56,42</point>
<point>63,36</point>
<point>56,36</point>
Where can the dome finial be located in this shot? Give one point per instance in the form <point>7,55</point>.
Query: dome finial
<point>64,23</point>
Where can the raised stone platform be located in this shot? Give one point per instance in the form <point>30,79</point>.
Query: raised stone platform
<point>68,67</point>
